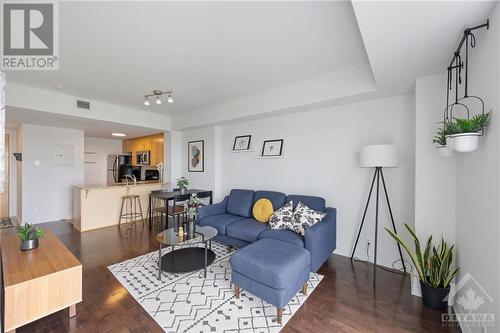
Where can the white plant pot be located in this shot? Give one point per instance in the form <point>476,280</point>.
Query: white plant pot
<point>465,142</point>
<point>445,151</point>
<point>450,142</point>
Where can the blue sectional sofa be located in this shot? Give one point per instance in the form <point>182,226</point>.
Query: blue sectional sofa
<point>235,226</point>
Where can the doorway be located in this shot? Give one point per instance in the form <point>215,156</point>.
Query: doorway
<point>4,195</point>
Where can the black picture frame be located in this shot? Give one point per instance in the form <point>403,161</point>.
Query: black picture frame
<point>241,137</point>
<point>200,166</point>
<point>267,142</point>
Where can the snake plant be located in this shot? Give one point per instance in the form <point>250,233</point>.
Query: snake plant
<point>433,264</point>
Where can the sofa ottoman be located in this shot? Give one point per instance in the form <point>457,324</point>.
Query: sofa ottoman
<point>272,270</point>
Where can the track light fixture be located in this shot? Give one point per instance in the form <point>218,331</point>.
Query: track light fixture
<point>157,95</point>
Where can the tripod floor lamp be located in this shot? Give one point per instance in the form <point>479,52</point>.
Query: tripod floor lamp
<point>378,157</point>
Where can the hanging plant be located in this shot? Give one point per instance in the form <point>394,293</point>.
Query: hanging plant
<point>466,140</point>
<point>440,139</point>
<point>462,134</point>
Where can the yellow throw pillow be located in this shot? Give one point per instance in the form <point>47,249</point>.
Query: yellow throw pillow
<point>262,210</point>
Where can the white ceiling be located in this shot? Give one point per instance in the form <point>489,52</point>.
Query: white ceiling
<point>14,117</point>
<point>406,40</point>
<point>207,52</point>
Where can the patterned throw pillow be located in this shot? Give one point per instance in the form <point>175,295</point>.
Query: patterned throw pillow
<point>282,218</point>
<point>304,217</point>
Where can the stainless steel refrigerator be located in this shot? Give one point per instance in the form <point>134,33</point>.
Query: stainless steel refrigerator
<point>115,163</point>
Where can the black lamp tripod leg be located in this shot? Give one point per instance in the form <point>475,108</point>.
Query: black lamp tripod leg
<point>376,229</point>
<point>392,219</point>
<point>364,214</point>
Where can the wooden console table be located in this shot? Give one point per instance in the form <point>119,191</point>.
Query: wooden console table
<point>38,282</point>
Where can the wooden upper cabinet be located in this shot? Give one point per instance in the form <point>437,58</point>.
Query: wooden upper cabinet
<point>153,143</point>
<point>157,146</point>
<point>127,146</point>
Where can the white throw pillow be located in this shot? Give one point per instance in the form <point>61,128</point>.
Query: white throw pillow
<point>282,218</point>
<point>304,217</point>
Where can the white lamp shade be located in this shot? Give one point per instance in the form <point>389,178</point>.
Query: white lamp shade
<point>372,156</point>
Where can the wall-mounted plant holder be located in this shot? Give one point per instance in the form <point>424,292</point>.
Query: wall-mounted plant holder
<point>462,133</point>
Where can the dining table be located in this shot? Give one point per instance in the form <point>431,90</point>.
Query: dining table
<point>169,196</point>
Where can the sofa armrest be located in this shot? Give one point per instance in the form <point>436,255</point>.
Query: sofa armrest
<point>210,210</point>
<point>320,239</point>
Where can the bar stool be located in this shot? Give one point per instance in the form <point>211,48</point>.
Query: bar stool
<point>130,203</point>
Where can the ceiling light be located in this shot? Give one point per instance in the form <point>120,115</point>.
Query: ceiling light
<point>156,94</point>
<point>118,134</point>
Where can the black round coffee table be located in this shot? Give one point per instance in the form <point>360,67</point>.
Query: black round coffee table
<point>186,259</point>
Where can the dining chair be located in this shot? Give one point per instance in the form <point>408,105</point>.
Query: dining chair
<point>177,209</point>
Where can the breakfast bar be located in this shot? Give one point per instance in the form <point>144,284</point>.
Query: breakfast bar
<point>99,206</point>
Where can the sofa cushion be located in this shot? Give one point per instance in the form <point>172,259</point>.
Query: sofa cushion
<point>304,217</point>
<point>220,222</point>
<point>240,203</point>
<point>262,210</point>
<point>247,229</point>
<point>286,236</point>
<point>277,198</point>
<point>271,262</point>
<point>312,202</point>
<point>282,218</point>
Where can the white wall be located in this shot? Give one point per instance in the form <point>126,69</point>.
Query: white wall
<point>47,189</point>
<point>19,176</point>
<point>435,176</point>
<point>478,178</point>
<point>320,158</point>
<point>96,173</point>
<point>12,172</point>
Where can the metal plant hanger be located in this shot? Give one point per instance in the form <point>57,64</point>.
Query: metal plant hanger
<point>455,69</point>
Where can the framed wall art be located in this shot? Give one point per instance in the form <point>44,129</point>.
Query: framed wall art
<point>196,156</point>
<point>272,148</point>
<point>242,143</point>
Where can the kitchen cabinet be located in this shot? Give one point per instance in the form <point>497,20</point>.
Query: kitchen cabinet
<point>153,143</point>
<point>127,146</point>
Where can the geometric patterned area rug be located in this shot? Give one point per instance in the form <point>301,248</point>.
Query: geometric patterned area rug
<point>187,302</point>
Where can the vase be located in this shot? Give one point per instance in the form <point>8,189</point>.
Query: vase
<point>466,142</point>
<point>191,228</point>
<point>435,298</point>
<point>29,244</point>
<point>183,190</point>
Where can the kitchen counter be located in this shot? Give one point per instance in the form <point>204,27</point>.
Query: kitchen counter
<point>99,206</point>
<point>130,184</point>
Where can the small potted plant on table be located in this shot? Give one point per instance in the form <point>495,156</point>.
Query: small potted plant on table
<point>433,266</point>
<point>182,184</point>
<point>29,235</point>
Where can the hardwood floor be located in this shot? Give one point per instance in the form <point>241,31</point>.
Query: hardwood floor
<point>343,302</point>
